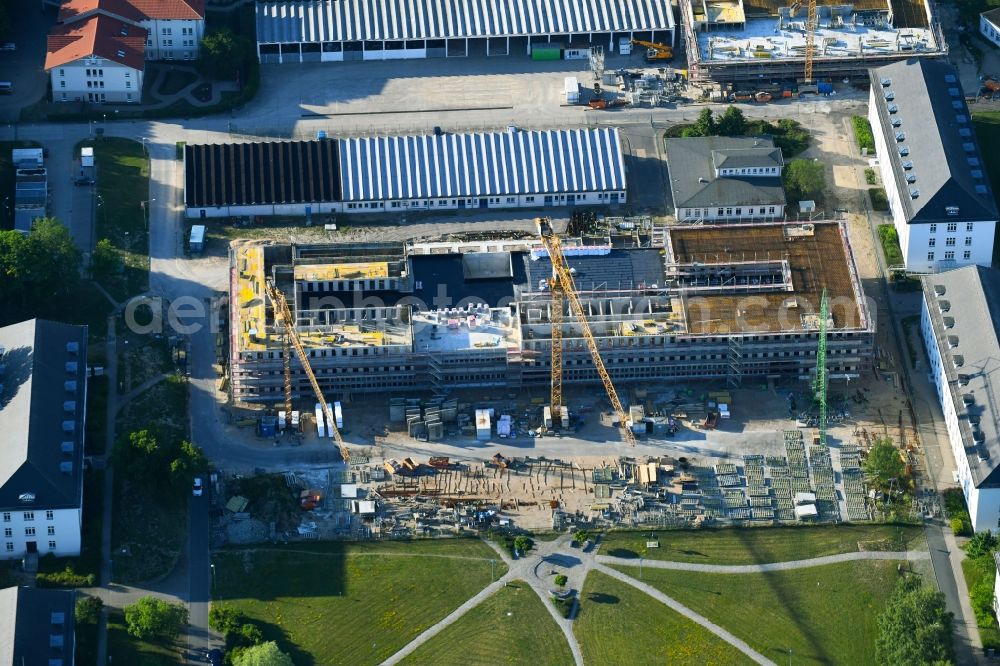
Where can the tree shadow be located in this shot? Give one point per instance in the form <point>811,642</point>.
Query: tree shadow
<point>602,598</point>
<point>624,553</point>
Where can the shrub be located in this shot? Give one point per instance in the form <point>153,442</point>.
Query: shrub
<point>523,544</point>
<point>564,606</point>
<point>561,580</point>
<point>65,578</point>
<point>890,244</point>
<point>251,634</point>
<point>981,544</point>
<point>981,598</point>
<point>863,134</point>
<point>88,610</point>
<point>152,617</point>
<point>880,201</point>
<point>224,619</point>
<point>958,526</point>
<point>870,176</point>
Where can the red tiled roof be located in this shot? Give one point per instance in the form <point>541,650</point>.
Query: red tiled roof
<point>134,10</point>
<point>100,36</point>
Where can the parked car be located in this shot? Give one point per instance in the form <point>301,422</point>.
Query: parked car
<point>198,489</point>
<point>81,181</point>
<point>214,657</point>
<point>6,88</point>
<point>8,46</point>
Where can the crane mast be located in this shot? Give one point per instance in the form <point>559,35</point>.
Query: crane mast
<point>561,271</point>
<point>819,388</point>
<point>283,314</point>
<point>556,318</point>
<point>810,40</point>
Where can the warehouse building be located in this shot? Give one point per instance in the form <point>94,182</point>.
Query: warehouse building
<point>510,169</point>
<point>729,302</point>
<point>339,30</point>
<point>752,43</point>
<point>959,321</point>
<point>939,194</point>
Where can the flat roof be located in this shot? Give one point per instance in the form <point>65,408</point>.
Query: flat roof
<point>378,20</point>
<point>619,269</point>
<point>966,338</point>
<point>815,260</point>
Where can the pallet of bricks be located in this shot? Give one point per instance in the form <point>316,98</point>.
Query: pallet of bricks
<point>781,486</point>
<point>822,474</point>
<point>854,486</point>
<point>711,494</point>
<point>733,498</point>
<point>798,465</point>
<point>761,502</point>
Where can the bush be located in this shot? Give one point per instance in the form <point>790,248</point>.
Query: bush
<point>890,244</point>
<point>224,619</point>
<point>880,201</point>
<point>88,610</point>
<point>956,509</point>
<point>564,606</point>
<point>523,544</point>
<point>65,578</point>
<point>981,598</point>
<point>561,580</point>
<point>251,634</point>
<point>805,180</point>
<point>958,526</point>
<point>863,134</point>
<point>982,544</point>
<point>870,176</point>
<point>150,617</point>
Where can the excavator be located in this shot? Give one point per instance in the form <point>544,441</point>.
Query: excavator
<point>655,52</point>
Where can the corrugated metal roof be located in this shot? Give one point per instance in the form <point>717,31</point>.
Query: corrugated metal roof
<point>376,20</point>
<point>494,164</point>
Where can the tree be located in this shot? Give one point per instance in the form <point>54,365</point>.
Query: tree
<point>40,265</point>
<point>224,619</point>
<point>981,544</point>
<point>981,598</point>
<point>224,53</point>
<point>251,634</point>
<point>580,536</point>
<point>561,580</point>
<point>914,628</point>
<point>732,123</point>
<point>139,456</point>
<point>105,262</point>
<point>523,544</point>
<point>805,180</point>
<point>189,461</point>
<point>265,654</point>
<point>151,617</point>
<point>705,125</point>
<point>88,610</point>
<point>884,463</point>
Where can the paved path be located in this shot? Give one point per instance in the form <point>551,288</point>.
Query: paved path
<point>142,388</point>
<point>686,612</point>
<point>762,568</point>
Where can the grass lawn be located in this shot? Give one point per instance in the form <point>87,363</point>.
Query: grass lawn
<point>513,626</point>
<point>750,546</point>
<point>122,184</point>
<point>125,649</point>
<point>987,126</point>
<point>176,80</point>
<point>825,615</point>
<point>357,603</point>
<point>618,624</point>
<point>7,180</point>
<point>973,576</point>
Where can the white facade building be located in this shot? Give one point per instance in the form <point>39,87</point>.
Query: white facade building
<point>96,60</point>
<point>989,26</point>
<point>939,196</point>
<point>43,418</point>
<point>717,178</point>
<point>959,318</point>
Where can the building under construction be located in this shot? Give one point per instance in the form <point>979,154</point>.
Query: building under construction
<point>731,302</point>
<point>764,41</point>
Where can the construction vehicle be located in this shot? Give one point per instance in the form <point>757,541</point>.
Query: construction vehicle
<point>655,52</point>
<point>601,104</point>
<point>283,314</point>
<point>562,277</point>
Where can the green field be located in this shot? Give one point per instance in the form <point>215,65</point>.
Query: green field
<point>825,615</point>
<point>618,624</point>
<point>511,627</point>
<point>357,603</point>
<point>124,649</point>
<point>757,546</point>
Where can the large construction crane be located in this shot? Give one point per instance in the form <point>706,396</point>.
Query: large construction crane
<point>556,318</point>
<point>283,314</point>
<point>820,384</point>
<point>567,288</point>
<point>810,41</point>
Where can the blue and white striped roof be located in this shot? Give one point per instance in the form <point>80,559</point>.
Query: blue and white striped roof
<point>473,165</point>
<point>377,20</point>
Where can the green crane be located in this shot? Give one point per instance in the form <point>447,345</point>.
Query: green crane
<point>819,387</point>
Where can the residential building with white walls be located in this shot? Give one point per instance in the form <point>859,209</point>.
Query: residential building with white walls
<point>174,28</point>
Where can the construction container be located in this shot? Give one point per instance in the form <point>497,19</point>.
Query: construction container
<point>329,426</point>
<point>564,416</point>
<point>547,51</point>
<point>338,414</point>
<point>571,88</point>
<point>197,240</point>
<point>397,410</point>
<point>547,417</point>
<point>435,432</point>
<point>483,426</point>
<point>320,424</point>
<point>295,421</point>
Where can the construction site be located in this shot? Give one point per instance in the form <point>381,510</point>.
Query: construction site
<point>740,42</point>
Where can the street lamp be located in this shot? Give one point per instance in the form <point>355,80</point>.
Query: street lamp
<point>213,576</point>
<point>145,212</point>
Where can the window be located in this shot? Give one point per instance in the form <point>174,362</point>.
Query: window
<point>6,516</point>
<point>949,256</point>
<point>100,72</point>
<point>62,72</point>
<point>62,84</point>
<point>952,226</point>
<point>168,42</point>
<point>102,83</point>
<point>967,255</point>
<point>49,515</point>
<point>721,212</point>
<point>931,242</point>
<point>52,545</point>
<point>968,226</point>
<point>29,531</point>
<point>930,256</point>
<point>8,532</point>
<point>10,547</point>
<point>968,241</point>
<point>949,242</point>
<point>166,31</point>
<point>771,209</point>
<point>52,530</point>
<point>128,75</point>
<point>29,515</point>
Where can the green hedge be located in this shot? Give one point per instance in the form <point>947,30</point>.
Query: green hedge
<point>65,578</point>
<point>863,134</point>
<point>890,244</point>
<point>880,201</point>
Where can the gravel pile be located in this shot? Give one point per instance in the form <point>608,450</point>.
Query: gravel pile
<point>247,531</point>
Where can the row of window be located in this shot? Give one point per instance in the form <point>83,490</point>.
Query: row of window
<point>952,226</point>
<point>950,256</point>
<point>949,242</point>
<point>28,531</point>
<point>170,42</point>
<point>184,31</point>
<point>10,546</point>
<point>28,516</point>
<point>738,211</point>
<point>548,199</point>
<point>752,171</point>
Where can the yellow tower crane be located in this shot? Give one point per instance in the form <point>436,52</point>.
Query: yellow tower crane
<point>567,289</point>
<point>283,314</point>
<point>810,41</point>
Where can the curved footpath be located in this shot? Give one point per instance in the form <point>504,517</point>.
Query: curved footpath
<point>762,568</point>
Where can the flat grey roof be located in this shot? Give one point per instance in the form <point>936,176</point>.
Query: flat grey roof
<point>621,269</point>
<point>691,165</point>
<point>37,626</point>
<point>966,337</point>
<point>924,97</point>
